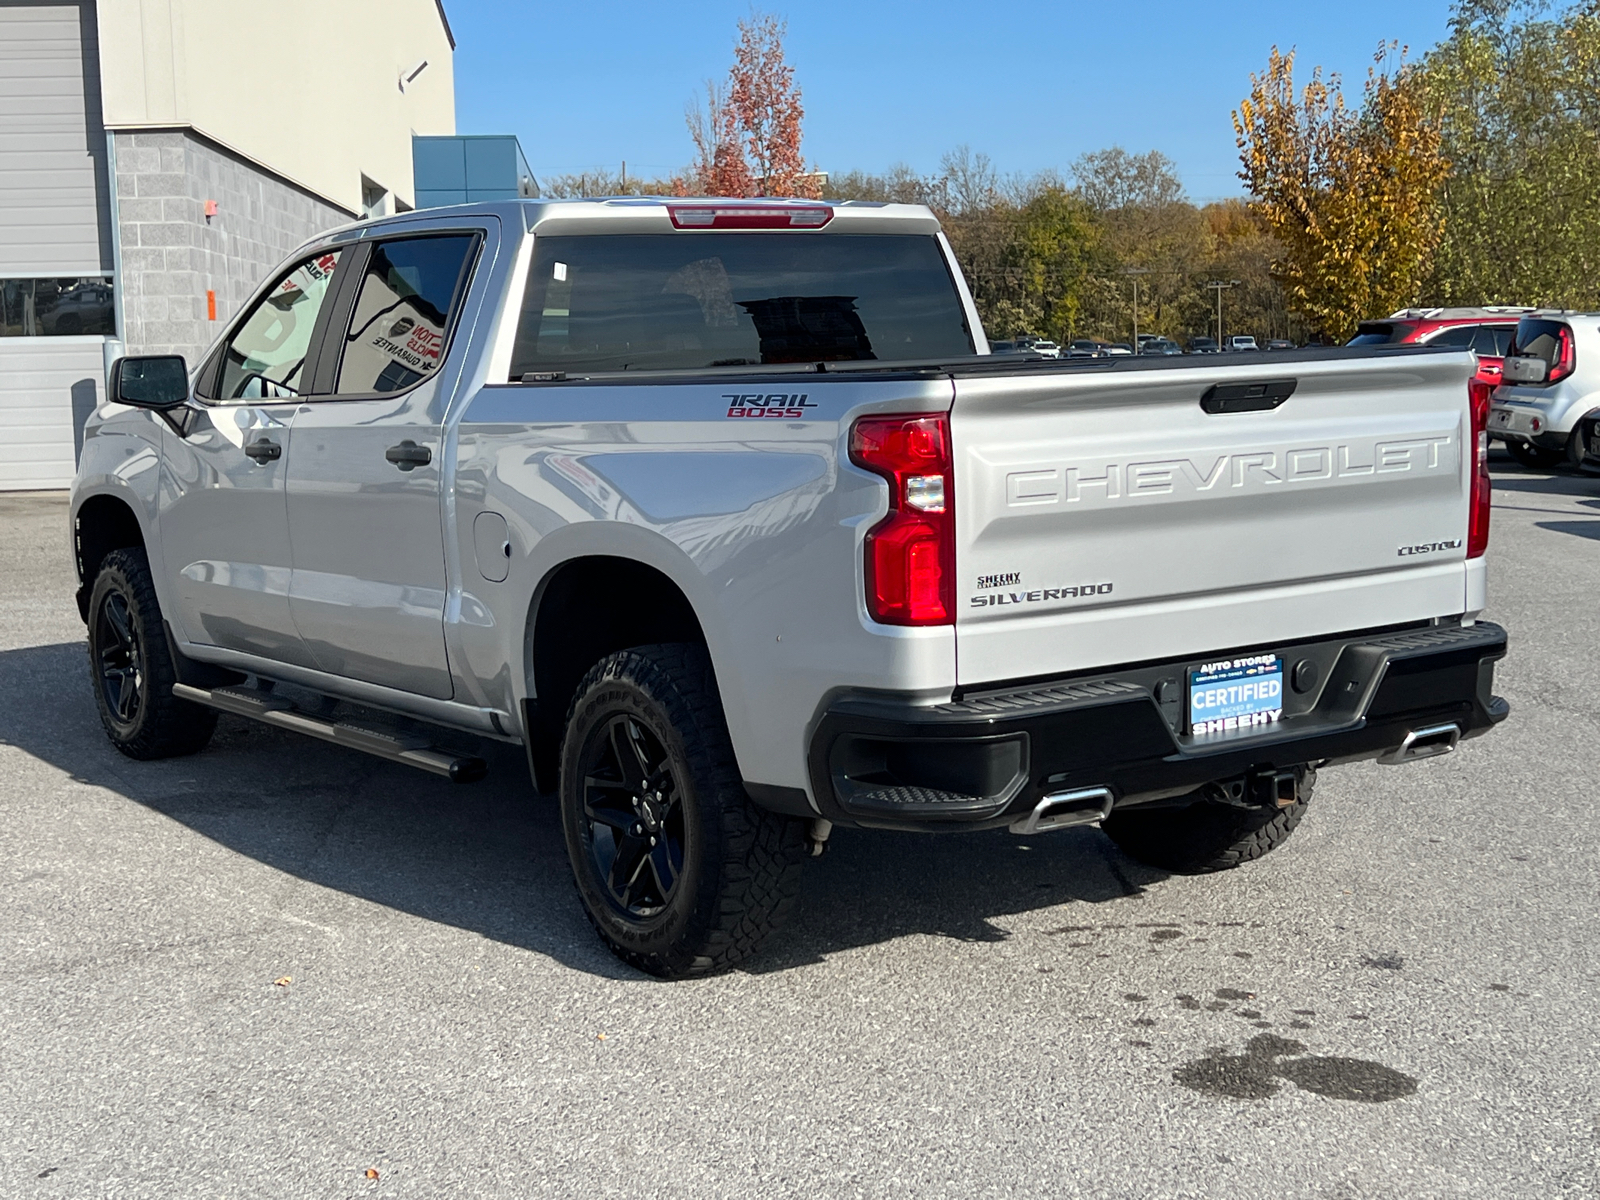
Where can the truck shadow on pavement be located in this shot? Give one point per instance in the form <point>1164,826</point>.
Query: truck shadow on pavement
<point>490,858</point>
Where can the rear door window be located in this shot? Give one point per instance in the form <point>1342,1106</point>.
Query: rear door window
<point>1456,335</point>
<point>1493,340</point>
<point>397,331</point>
<point>637,302</point>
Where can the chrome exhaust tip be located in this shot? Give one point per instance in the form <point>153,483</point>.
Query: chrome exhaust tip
<point>1063,810</point>
<point>1423,743</point>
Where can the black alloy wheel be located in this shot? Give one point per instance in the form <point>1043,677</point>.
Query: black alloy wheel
<point>679,872</point>
<point>119,655</point>
<point>132,667</point>
<point>633,816</point>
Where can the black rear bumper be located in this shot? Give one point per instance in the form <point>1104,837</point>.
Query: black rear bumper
<point>986,760</point>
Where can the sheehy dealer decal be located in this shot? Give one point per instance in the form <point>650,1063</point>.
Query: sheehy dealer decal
<point>1010,579</point>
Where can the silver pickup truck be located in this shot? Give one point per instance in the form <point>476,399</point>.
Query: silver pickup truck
<point>722,510</point>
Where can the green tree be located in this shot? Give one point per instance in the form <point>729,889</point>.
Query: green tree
<point>1518,94</point>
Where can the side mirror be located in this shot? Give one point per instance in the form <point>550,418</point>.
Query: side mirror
<point>157,381</point>
<point>1525,370</point>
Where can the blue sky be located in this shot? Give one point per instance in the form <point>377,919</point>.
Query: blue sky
<point>1032,85</point>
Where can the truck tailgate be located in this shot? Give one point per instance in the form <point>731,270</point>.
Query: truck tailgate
<point>1109,517</point>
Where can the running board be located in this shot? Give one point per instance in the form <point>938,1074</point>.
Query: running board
<point>410,749</point>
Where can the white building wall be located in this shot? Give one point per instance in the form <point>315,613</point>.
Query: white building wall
<point>309,89</point>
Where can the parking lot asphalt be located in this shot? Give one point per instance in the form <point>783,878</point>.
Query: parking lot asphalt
<point>279,968</point>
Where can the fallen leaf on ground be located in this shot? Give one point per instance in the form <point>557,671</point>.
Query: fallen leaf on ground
<point>599,1037</point>
<point>283,981</point>
<point>372,1172</point>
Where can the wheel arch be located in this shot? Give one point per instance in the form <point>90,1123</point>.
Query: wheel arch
<point>101,523</point>
<point>583,609</point>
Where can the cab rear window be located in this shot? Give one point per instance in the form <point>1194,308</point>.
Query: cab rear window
<point>652,302</point>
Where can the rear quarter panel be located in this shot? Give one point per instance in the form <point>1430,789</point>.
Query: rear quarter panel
<point>760,523</point>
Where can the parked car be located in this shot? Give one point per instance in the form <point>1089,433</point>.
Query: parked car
<point>1589,433</point>
<point>1279,344</point>
<point>1240,341</point>
<point>1203,345</point>
<point>1086,348</point>
<point>1486,331</point>
<point>1160,345</point>
<point>1115,348</point>
<point>1550,382</point>
<point>525,471</point>
<point>1046,349</point>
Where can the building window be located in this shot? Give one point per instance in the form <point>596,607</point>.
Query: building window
<point>374,199</point>
<point>56,307</point>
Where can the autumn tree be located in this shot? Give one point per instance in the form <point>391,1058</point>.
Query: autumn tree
<point>747,133</point>
<point>1351,195</point>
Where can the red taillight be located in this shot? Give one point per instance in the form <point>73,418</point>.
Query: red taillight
<point>1478,393</point>
<point>749,216</point>
<point>1566,360</point>
<point>911,553</point>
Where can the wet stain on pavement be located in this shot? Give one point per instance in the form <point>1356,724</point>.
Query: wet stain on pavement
<point>1384,962</point>
<point>1499,987</point>
<point>1234,994</point>
<point>1164,935</point>
<point>1255,1074</point>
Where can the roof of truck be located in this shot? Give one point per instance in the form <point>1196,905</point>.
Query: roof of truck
<point>667,214</point>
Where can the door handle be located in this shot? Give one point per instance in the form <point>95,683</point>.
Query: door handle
<point>263,451</point>
<point>408,456</point>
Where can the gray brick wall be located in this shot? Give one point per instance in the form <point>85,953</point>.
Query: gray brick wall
<point>171,255</point>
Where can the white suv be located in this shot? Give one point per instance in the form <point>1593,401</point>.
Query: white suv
<point>1551,379</point>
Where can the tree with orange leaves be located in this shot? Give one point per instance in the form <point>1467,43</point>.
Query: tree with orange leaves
<point>747,138</point>
<point>1352,196</point>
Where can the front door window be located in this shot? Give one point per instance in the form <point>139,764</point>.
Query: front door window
<point>265,359</point>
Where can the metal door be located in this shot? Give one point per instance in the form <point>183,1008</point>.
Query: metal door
<point>224,520</point>
<point>369,587</point>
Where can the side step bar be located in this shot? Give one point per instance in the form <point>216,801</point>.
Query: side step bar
<point>411,749</point>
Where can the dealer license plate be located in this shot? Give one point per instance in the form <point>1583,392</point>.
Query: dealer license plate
<point>1236,693</point>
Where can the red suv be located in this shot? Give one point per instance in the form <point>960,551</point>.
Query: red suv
<point>1486,330</point>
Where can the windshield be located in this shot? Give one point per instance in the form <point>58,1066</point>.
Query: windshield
<point>637,302</point>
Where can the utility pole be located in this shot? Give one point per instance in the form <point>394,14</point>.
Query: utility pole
<point>624,175</point>
<point>1221,287</point>
<point>1135,272</point>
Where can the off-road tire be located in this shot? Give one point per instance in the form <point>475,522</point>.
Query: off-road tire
<point>740,867</point>
<point>1536,458</point>
<point>1207,835</point>
<point>156,724</point>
